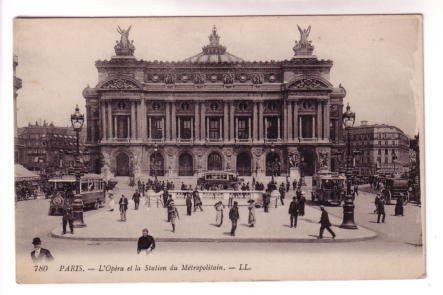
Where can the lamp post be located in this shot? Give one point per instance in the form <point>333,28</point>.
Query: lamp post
<point>77,120</point>
<point>348,206</point>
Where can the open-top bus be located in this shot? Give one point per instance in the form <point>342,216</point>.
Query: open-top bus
<point>328,188</point>
<point>92,191</point>
<point>218,180</point>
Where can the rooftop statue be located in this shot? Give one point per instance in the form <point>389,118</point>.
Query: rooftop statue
<point>124,47</point>
<point>303,46</point>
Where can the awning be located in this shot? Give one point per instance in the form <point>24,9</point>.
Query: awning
<point>21,173</point>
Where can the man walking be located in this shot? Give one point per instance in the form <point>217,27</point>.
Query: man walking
<point>381,210</point>
<point>173,214</point>
<point>325,223</point>
<point>219,213</point>
<point>188,204</point>
<point>266,201</point>
<point>136,199</point>
<point>123,202</point>
<point>282,193</point>
<point>301,204</point>
<point>293,212</point>
<point>68,218</point>
<point>234,216</point>
<point>197,201</point>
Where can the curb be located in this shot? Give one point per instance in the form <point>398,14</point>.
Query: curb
<point>219,240</point>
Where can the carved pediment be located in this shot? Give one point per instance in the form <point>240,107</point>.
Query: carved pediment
<point>310,83</point>
<point>120,84</point>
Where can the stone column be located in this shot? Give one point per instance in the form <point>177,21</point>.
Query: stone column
<point>173,122</point>
<point>284,116</point>
<point>260,121</point>
<point>289,121</point>
<point>195,121</point>
<point>103,119</point>
<point>167,127</point>
<point>319,117</point>
<point>326,131</point>
<point>265,136</point>
<point>110,127</point>
<point>236,129</point>
<point>143,120</point>
<point>313,126</point>
<point>249,129</point>
<point>220,128</point>
<point>255,121</point>
<point>163,128</point>
<point>192,128</point>
<point>203,121</point>
<point>133,124</point>
<point>114,128</point>
<point>149,127</point>
<point>278,128</point>
<point>300,127</point>
<point>226,122</point>
<point>296,120</point>
<point>178,128</point>
<point>231,121</point>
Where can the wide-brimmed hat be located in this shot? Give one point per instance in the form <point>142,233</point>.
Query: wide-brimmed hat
<point>36,241</point>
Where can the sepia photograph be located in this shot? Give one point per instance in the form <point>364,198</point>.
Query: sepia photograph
<point>222,148</point>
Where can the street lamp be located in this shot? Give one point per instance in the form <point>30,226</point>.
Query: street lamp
<point>77,120</point>
<point>348,206</point>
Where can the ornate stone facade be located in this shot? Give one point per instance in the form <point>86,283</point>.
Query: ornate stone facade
<point>213,111</point>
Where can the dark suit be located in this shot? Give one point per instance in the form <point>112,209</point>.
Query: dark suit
<point>325,224</point>
<point>123,207</point>
<point>293,213</point>
<point>234,216</point>
<point>381,210</point>
<point>68,218</point>
<point>44,255</point>
<point>136,199</point>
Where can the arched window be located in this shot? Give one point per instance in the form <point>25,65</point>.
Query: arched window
<point>215,161</point>
<point>185,165</point>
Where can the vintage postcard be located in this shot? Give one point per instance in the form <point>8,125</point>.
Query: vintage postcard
<point>185,149</point>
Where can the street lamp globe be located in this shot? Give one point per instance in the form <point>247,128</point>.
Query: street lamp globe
<point>77,120</point>
<point>348,117</point>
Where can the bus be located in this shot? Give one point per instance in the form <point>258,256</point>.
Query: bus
<point>219,180</point>
<point>328,188</point>
<point>92,191</point>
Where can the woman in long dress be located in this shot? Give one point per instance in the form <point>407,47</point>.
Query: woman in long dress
<point>251,216</point>
<point>111,202</point>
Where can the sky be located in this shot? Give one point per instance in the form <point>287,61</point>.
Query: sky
<point>378,59</point>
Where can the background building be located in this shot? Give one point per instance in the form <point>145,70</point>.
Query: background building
<point>46,148</point>
<point>213,111</point>
<point>379,148</point>
<point>17,85</point>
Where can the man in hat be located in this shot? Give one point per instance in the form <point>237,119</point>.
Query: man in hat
<point>325,223</point>
<point>145,242</point>
<point>68,218</point>
<point>293,212</point>
<point>173,214</point>
<point>136,199</point>
<point>234,216</point>
<point>40,254</point>
<point>123,202</point>
<point>197,200</point>
<point>381,210</point>
<point>188,203</point>
<point>301,204</point>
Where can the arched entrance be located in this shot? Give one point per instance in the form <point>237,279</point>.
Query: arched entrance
<point>185,165</point>
<point>215,161</point>
<point>122,165</point>
<point>244,164</point>
<point>273,164</point>
<point>307,162</point>
<point>157,167</point>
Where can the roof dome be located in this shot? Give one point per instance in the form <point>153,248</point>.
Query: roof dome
<point>213,52</point>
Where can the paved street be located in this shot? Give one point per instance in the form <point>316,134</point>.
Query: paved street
<point>396,242</point>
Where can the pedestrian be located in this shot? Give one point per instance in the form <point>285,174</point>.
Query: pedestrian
<point>168,203</point>
<point>188,204</point>
<point>173,214</point>
<point>143,188</point>
<point>219,207</point>
<point>301,204</point>
<point>251,215</point>
<point>165,196</point>
<point>381,210</point>
<point>136,199</point>
<point>266,201</point>
<point>123,202</point>
<point>293,212</point>
<point>234,216</point>
<point>325,223</point>
<point>146,242</point>
<point>376,200</point>
<point>282,192</point>
<point>399,205</point>
<point>40,254</point>
<point>197,201</point>
<point>294,184</point>
<point>111,203</point>
<point>68,218</point>
<point>356,190</point>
